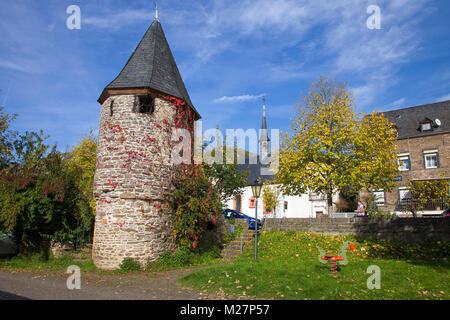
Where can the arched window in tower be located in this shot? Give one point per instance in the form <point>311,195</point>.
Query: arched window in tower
<point>146,104</point>
<point>111,111</point>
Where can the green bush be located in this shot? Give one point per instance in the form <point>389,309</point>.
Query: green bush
<point>237,233</point>
<point>183,257</point>
<point>40,197</point>
<point>228,237</point>
<point>129,264</point>
<point>207,256</point>
<point>172,260</point>
<point>374,211</point>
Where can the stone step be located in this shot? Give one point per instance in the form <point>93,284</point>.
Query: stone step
<point>238,241</point>
<point>231,254</point>
<point>243,240</point>
<point>233,248</point>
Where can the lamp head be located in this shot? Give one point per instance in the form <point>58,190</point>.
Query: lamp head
<point>256,188</point>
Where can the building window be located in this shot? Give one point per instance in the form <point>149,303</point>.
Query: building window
<point>252,202</point>
<point>285,205</point>
<point>146,104</point>
<point>404,194</point>
<point>379,196</point>
<point>431,159</point>
<point>238,203</point>
<point>404,162</point>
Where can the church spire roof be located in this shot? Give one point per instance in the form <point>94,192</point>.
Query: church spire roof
<point>264,136</point>
<point>152,66</point>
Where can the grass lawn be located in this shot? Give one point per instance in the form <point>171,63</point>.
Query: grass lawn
<point>35,263</point>
<point>288,268</point>
<point>167,261</point>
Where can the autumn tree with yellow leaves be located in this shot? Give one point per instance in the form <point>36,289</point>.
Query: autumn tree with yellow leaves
<point>271,196</point>
<point>331,147</point>
<point>83,156</point>
<point>427,195</point>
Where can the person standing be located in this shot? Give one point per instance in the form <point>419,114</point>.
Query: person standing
<point>361,209</point>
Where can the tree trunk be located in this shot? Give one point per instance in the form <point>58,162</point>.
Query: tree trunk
<point>330,204</point>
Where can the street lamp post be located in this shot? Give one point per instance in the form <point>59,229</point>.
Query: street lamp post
<point>256,190</point>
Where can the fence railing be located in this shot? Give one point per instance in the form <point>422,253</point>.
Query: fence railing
<point>417,205</point>
<point>344,214</point>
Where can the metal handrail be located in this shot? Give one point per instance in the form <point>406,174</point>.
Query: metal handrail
<point>430,205</point>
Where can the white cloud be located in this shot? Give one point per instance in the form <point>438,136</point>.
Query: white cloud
<point>364,95</point>
<point>278,15</point>
<point>394,104</point>
<point>246,97</point>
<point>397,103</point>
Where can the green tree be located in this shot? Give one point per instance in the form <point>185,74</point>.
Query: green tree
<point>331,147</point>
<point>37,195</point>
<point>6,138</point>
<point>41,196</point>
<point>271,196</point>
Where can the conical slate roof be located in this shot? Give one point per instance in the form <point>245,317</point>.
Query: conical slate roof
<point>153,66</point>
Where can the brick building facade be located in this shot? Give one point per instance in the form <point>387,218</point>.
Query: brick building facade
<point>423,151</point>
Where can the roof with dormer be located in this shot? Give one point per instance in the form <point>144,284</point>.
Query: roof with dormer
<point>407,120</point>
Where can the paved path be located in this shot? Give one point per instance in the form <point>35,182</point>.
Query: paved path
<point>140,286</point>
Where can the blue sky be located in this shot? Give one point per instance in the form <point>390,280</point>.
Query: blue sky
<point>229,53</point>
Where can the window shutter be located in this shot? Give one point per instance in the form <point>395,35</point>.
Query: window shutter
<point>437,159</point>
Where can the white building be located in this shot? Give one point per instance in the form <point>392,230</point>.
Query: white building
<point>308,205</point>
<point>304,206</point>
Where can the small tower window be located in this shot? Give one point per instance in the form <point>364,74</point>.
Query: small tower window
<point>146,104</point>
<point>111,112</point>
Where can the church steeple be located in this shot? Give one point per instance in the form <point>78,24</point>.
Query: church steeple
<point>264,138</point>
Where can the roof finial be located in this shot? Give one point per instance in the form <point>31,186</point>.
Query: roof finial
<point>156,11</point>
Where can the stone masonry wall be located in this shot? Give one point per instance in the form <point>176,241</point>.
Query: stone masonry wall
<point>403,230</point>
<point>132,181</point>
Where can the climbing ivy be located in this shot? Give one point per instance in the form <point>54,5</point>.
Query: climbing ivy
<point>196,201</point>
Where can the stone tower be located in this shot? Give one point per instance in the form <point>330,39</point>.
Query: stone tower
<point>140,109</point>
